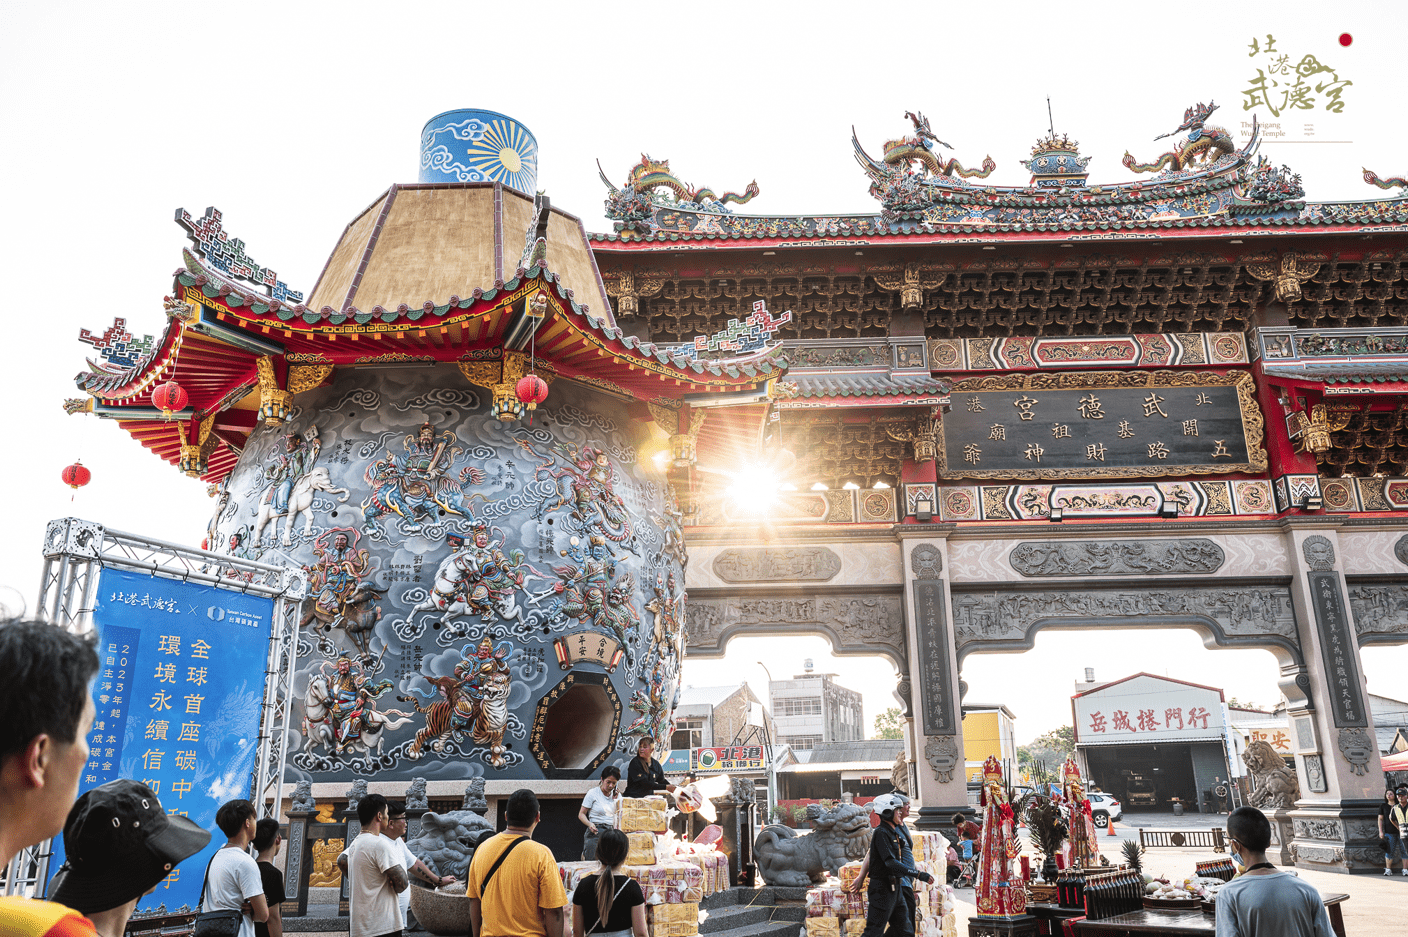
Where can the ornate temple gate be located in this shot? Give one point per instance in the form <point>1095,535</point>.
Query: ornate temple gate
<point>927,596</point>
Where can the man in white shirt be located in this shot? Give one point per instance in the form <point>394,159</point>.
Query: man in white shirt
<point>1264,901</point>
<point>599,809</point>
<point>232,881</point>
<point>377,873</point>
<point>395,831</point>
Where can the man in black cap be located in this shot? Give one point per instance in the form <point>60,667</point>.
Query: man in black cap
<point>118,846</point>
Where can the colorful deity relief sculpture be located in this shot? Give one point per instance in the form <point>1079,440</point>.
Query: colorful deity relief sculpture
<point>591,491</point>
<point>479,578</point>
<point>474,701</point>
<point>1081,849</point>
<point>1205,143</point>
<point>339,710</point>
<point>292,481</point>
<point>340,596</point>
<point>592,595</point>
<point>668,608</point>
<point>998,892</point>
<point>418,485</point>
<point>655,705</point>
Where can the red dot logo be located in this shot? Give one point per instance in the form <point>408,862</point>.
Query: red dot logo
<point>1346,39</point>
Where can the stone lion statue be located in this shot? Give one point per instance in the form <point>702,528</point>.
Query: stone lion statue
<point>303,801</point>
<point>1274,786</point>
<point>447,840</point>
<point>838,836</point>
<point>416,798</point>
<point>899,773</point>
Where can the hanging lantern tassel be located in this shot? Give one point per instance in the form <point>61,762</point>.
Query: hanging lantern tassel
<point>169,398</point>
<point>531,391</point>
<point>76,476</point>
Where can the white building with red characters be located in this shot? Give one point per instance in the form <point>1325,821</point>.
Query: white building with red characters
<point>1149,740</point>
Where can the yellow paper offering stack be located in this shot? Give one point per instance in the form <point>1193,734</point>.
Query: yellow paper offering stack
<point>674,920</point>
<point>849,873</point>
<point>823,927</point>
<point>855,926</point>
<point>643,815</point>
<point>642,850</point>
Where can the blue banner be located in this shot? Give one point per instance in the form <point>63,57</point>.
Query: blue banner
<point>178,698</point>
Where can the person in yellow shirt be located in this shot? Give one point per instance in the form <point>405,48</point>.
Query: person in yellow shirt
<point>514,887</point>
<point>46,713</point>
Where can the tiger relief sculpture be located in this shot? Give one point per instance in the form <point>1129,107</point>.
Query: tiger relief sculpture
<point>474,702</point>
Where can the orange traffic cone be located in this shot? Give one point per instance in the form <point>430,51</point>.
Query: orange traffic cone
<point>1110,827</point>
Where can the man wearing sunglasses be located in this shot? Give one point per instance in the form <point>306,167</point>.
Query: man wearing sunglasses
<point>1263,901</point>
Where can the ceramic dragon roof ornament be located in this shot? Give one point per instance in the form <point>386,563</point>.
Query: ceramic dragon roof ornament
<point>1205,144</point>
<point>1397,182</point>
<point>651,183</point>
<point>893,179</point>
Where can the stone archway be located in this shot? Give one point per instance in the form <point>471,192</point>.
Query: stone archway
<point>859,622</point>
<point>1227,614</point>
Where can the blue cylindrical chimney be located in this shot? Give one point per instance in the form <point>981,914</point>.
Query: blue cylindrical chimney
<point>472,145</point>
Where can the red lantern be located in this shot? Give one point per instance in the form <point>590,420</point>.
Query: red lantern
<point>76,476</point>
<point>531,390</point>
<point>169,397</point>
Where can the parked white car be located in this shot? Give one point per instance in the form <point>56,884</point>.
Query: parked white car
<point>1104,808</point>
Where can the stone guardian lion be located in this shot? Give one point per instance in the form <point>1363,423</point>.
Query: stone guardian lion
<point>1274,786</point>
<point>838,836</point>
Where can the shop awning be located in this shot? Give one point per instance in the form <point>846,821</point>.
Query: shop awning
<point>1397,762</point>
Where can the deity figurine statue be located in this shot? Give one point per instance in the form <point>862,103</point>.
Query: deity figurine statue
<point>1081,849</point>
<point>999,892</point>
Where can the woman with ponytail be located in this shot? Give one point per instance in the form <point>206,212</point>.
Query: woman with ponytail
<point>607,904</point>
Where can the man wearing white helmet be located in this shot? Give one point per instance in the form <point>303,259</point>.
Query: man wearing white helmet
<point>891,867</point>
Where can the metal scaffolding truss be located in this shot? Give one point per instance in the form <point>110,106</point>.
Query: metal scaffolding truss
<point>75,553</point>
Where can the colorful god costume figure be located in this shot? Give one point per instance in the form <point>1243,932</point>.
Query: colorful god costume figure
<point>999,891</point>
<point>1081,849</point>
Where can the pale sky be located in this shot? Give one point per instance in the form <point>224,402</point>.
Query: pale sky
<point>291,117</point>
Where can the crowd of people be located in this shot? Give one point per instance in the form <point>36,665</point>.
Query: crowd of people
<point>119,843</point>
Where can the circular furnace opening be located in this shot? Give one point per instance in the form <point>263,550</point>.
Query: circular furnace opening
<point>578,726</point>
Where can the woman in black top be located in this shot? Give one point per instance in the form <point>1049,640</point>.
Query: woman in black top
<point>607,904</point>
<point>644,776</point>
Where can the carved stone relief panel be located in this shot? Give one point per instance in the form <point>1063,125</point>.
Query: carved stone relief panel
<point>776,564</point>
<point>1255,554</point>
<point>1319,552</point>
<point>1357,749</point>
<point>1117,557</point>
<point>1238,616</point>
<point>1319,829</point>
<point>941,752</point>
<point>1380,613</point>
<point>857,623</point>
<point>926,561</point>
<point>1315,774</point>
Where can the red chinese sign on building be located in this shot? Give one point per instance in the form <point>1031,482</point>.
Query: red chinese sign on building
<point>1145,707</point>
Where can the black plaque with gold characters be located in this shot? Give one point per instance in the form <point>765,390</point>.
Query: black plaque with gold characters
<point>1102,424</point>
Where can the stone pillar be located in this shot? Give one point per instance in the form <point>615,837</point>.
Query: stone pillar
<point>736,820</point>
<point>937,781</point>
<point>1337,757</point>
<point>298,861</point>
